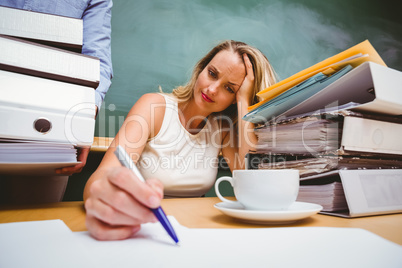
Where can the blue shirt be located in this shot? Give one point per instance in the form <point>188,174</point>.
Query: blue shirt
<point>96,16</point>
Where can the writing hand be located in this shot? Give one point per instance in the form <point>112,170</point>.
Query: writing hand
<point>119,203</point>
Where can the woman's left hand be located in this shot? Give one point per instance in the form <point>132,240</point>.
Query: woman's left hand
<point>246,91</point>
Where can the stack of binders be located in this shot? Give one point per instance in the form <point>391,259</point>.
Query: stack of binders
<point>47,91</point>
<point>337,122</point>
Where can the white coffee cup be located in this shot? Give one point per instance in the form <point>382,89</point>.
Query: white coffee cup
<point>263,189</point>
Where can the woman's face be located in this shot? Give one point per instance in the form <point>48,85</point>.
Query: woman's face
<point>217,85</point>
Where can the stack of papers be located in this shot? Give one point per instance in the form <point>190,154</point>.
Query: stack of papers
<point>24,151</point>
<point>310,166</point>
<point>330,196</point>
<point>27,157</point>
<point>306,135</point>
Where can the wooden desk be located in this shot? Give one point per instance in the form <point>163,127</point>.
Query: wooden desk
<point>200,213</point>
<point>101,144</point>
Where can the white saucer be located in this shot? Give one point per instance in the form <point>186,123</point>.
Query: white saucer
<point>297,211</point>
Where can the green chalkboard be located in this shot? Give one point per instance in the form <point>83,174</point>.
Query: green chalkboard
<point>157,42</point>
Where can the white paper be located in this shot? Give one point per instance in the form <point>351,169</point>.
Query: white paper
<point>40,244</point>
<point>250,247</point>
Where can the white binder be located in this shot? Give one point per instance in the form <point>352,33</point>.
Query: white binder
<point>371,192</point>
<point>372,136</point>
<point>33,108</point>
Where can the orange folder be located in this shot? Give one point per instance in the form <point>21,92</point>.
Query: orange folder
<point>354,56</point>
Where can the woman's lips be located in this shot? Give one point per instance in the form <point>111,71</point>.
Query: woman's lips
<point>206,98</point>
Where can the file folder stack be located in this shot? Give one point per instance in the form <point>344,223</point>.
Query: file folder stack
<point>47,96</point>
<point>341,114</point>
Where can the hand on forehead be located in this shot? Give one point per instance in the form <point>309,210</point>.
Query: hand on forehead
<point>230,66</point>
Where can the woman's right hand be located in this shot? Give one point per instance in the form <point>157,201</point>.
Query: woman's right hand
<point>118,203</point>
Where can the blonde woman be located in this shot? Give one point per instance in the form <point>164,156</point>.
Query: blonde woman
<point>175,140</point>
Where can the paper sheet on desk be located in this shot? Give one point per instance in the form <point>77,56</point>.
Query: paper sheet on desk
<point>40,244</point>
<point>251,247</point>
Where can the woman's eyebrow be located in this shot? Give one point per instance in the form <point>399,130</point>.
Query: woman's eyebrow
<point>233,84</point>
<point>218,72</point>
<point>213,67</point>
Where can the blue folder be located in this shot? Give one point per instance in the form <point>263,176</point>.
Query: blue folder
<point>293,96</point>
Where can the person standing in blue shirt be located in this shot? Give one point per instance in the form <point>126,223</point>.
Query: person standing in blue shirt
<point>96,16</point>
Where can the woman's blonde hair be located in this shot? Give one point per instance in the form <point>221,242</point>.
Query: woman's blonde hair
<point>264,75</point>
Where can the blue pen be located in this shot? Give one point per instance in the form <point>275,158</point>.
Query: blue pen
<point>126,161</point>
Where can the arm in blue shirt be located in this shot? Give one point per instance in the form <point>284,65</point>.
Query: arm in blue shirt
<point>97,36</point>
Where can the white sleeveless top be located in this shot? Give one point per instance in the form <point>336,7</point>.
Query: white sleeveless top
<point>186,164</point>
